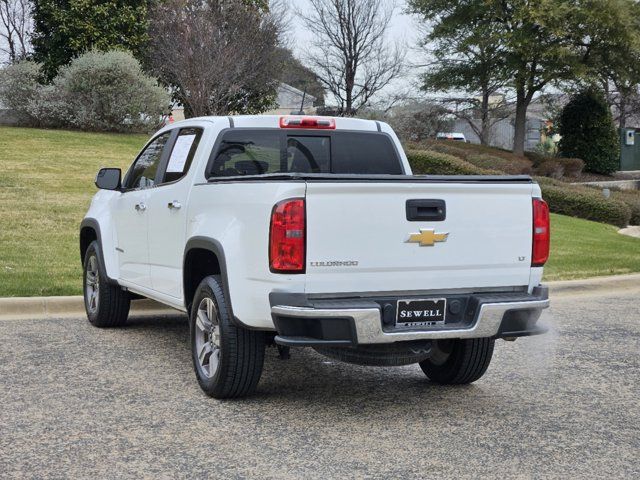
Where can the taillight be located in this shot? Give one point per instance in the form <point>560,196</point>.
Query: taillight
<point>541,233</point>
<point>319,123</point>
<point>287,237</point>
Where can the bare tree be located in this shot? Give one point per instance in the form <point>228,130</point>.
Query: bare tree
<point>15,29</point>
<point>417,121</point>
<point>351,55</point>
<point>623,97</point>
<point>480,113</point>
<point>218,56</point>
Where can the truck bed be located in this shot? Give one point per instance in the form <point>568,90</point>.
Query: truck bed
<point>359,178</point>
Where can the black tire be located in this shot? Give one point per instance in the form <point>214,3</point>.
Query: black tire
<point>456,362</point>
<point>233,366</point>
<point>106,303</point>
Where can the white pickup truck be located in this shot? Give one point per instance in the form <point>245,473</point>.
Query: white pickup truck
<point>312,231</point>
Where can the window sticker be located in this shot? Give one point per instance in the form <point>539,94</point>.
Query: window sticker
<point>180,153</point>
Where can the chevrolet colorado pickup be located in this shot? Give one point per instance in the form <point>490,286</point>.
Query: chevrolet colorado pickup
<point>312,231</point>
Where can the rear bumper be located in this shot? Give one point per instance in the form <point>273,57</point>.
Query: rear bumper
<point>367,321</point>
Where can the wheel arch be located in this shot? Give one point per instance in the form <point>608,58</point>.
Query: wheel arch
<point>89,232</point>
<point>204,256</point>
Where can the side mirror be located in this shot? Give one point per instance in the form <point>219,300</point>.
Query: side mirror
<point>109,179</point>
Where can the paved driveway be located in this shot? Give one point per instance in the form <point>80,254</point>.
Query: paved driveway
<point>76,401</point>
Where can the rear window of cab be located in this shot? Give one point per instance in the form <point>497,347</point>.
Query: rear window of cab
<point>257,152</point>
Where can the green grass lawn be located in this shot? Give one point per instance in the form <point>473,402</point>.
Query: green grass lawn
<point>46,183</point>
<point>581,249</point>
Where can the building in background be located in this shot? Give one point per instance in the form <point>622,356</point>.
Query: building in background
<point>503,131</point>
<point>291,100</point>
<point>288,100</point>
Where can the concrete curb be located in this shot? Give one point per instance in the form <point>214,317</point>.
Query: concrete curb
<point>57,307</point>
<point>73,306</point>
<point>593,285</point>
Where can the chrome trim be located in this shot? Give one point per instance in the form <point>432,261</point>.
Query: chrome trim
<point>407,293</point>
<point>369,325</point>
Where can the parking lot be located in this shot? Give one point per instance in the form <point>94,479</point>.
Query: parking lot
<point>82,402</point>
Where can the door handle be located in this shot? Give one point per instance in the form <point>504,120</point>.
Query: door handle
<point>426,210</point>
<point>175,205</point>
<point>141,207</point>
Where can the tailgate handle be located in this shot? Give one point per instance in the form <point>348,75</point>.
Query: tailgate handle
<point>426,210</point>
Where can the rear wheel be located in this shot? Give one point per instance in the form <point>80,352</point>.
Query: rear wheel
<point>459,361</point>
<point>227,359</point>
<point>106,304</point>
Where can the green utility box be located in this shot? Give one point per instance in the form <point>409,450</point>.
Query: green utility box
<point>629,149</point>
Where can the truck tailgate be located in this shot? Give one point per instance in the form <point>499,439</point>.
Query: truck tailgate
<point>358,232</point>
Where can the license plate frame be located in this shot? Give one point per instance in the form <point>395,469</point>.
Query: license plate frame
<point>427,306</point>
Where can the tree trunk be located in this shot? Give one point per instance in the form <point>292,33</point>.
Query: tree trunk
<point>188,109</point>
<point>522,103</point>
<point>623,113</point>
<point>484,119</point>
<point>349,84</point>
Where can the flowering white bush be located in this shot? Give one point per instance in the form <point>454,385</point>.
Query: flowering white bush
<point>19,87</point>
<point>108,91</point>
<point>99,91</point>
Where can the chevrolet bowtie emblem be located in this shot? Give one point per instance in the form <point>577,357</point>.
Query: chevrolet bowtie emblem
<point>427,237</point>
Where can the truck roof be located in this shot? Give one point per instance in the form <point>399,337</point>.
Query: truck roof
<point>273,121</point>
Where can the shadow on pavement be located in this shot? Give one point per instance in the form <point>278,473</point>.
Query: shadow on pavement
<point>307,375</point>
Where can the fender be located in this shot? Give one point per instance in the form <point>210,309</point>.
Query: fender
<point>95,226</point>
<point>215,247</point>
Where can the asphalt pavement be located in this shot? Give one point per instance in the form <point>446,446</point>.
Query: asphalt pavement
<point>76,401</point>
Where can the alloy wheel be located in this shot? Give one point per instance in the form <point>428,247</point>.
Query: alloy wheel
<point>207,337</point>
<point>92,284</point>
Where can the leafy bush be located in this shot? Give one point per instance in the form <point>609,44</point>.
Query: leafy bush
<point>448,147</point>
<point>108,91</point>
<point>551,167</point>
<point>427,162</point>
<point>513,166</point>
<point>584,202</point>
<point>547,147</point>
<point>536,157</point>
<point>474,149</point>
<point>19,87</point>
<point>555,167</point>
<point>102,91</point>
<point>563,198</point>
<point>487,158</point>
<point>587,131</point>
<point>632,199</point>
<point>572,166</point>
<point>548,181</point>
<point>51,108</point>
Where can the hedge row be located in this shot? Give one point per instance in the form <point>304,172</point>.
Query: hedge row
<point>555,167</point>
<point>584,202</point>
<point>513,166</point>
<point>463,150</point>
<point>98,91</point>
<point>449,147</point>
<point>504,161</point>
<point>575,201</point>
<point>632,199</point>
<point>429,162</point>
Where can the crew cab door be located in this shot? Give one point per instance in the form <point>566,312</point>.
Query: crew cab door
<point>131,216</point>
<point>167,213</point>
